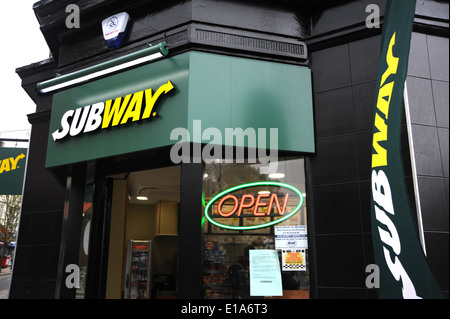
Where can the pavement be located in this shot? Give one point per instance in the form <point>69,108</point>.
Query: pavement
<point>5,278</point>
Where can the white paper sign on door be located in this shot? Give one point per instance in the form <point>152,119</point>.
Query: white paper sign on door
<point>265,273</point>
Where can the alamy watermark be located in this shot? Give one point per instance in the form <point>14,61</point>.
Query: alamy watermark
<point>373,19</point>
<point>258,149</point>
<point>73,277</point>
<point>373,279</point>
<point>73,19</point>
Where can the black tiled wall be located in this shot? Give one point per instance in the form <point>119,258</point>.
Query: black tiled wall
<point>344,80</point>
<point>428,96</point>
<point>38,244</point>
<point>39,236</point>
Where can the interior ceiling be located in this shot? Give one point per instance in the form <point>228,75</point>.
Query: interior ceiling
<point>162,184</point>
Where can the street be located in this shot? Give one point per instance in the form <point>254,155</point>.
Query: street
<point>5,279</point>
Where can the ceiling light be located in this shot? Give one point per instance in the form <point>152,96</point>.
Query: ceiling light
<point>263,192</point>
<point>276,175</point>
<point>141,197</point>
<point>124,62</point>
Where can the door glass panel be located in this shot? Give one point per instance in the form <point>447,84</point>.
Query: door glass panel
<point>250,210</point>
<point>143,245</point>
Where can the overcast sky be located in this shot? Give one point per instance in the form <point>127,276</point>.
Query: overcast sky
<point>22,43</point>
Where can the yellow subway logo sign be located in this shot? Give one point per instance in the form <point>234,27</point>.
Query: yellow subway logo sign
<point>114,112</point>
<point>10,164</point>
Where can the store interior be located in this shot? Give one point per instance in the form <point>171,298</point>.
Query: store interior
<point>145,207</point>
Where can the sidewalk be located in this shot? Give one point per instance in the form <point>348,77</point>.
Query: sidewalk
<point>6,272</point>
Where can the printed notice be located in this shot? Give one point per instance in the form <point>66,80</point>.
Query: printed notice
<point>291,237</point>
<point>265,273</point>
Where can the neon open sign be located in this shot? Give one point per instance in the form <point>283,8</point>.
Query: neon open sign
<point>250,201</point>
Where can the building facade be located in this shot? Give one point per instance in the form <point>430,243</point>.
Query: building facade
<point>305,68</point>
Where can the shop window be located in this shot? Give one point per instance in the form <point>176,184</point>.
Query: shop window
<point>246,214</point>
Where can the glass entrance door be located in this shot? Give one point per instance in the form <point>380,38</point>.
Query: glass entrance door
<point>144,214</point>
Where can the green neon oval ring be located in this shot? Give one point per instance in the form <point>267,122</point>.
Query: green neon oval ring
<point>209,218</point>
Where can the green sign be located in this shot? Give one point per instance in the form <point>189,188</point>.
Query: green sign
<point>404,271</point>
<point>12,170</point>
<point>138,109</point>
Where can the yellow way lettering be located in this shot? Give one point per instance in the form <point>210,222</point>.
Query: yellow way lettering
<point>9,164</point>
<point>120,112</point>
<point>391,60</point>
<point>380,157</point>
<point>115,112</point>
<point>5,167</point>
<point>383,102</point>
<point>134,109</point>
<point>150,99</point>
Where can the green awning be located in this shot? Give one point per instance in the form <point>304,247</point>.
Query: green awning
<point>139,108</point>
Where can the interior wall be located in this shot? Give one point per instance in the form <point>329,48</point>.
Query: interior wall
<point>141,222</point>
<point>168,218</point>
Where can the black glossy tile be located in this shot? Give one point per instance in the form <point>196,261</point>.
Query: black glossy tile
<point>369,257</point>
<point>446,191</point>
<point>405,151</point>
<point>15,290</point>
<point>364,154</point>
<point>444,146</point>
<point>433,204</point>
<point>427,151</point>
<point>20,262</point>
<point>433,9</point>
<point>330,68</point>
<point>411,192</point>
<point>441,102</point>
<point>365,202</point>
<point>335,160</point>
<point>46,227</point>
<point>39,137</point>
<point>365,59</point>
<point>333,112</point>
<point>340,261</point>
<point>418,56</point>
<point>438,53</point>
<point>420,98</point>
<point>36,289</point>
<point>437,256</point>
<point>52,262</point>
<point>25,230</point>
<point>37,262</point>
<point>337,209</point>
<point>364,105</point>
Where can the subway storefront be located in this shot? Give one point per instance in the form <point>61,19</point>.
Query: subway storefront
<point>191,160</point>
<point>193,110</point>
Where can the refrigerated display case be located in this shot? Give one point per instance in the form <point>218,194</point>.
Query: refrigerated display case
<point>138,270</point>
